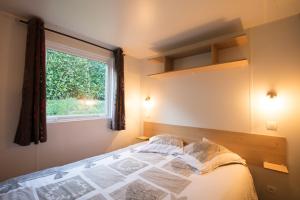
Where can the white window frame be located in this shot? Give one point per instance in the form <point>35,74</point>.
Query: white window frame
<point>108,85</point>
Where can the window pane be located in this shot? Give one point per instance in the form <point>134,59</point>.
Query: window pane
<point>75,85</point>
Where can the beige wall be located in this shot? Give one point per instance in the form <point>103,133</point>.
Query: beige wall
<point>275,63</point>
<point>230,100</point>
<point>68,141</point>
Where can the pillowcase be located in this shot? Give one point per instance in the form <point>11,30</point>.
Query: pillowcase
<point>166,139</point>
<point>165,144</point>
<point>205,156</point>
<point>221,160</point>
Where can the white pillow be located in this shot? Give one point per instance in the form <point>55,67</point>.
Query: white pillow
<point>166,139</point>
<point>221,160</point>
<point>203,151</point>
<point>206,156</point>
<point>165,144</point>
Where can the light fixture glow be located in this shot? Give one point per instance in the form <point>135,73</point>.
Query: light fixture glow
<point>272,94</point>
<point>271,104</point>
<point>148,104</point>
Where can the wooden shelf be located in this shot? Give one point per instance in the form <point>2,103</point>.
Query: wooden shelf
<point>226,41</point>
<point>276,167</point>
<point>212,47</point>
<point>192,70</point>
<point>143,138</point>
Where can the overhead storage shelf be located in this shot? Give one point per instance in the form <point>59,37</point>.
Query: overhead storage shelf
<point>193,70</point>
<point>223,42</point>
<point>212,46</point>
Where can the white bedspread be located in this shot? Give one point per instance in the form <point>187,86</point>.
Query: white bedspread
<point>130,175</point>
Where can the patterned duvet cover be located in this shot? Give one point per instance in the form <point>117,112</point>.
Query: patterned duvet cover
<point>128,175</point>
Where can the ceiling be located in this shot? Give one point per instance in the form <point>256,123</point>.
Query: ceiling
<point>144,28</point>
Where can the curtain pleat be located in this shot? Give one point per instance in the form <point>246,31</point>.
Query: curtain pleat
<point>118,114</point>
<point>32,121</point>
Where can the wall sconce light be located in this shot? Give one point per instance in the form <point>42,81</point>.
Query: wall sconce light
<point>148,105</point>
<point>270,102</point>
<point>272,106</point>
<point>272,94</point>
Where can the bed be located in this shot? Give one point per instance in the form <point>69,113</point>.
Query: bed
<point>127,174</point>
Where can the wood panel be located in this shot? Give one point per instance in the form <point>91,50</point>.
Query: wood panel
<point>214,54</point>
<point>192,70</point>
<point>235,41</point>
<point>225,41</point>
<point>254,148</point>
<point>276,167</point>
<point>168,64</point>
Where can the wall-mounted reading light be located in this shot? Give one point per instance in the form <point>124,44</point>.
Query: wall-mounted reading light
<point>148,105</point>
<point>272,106</point>
<point>147,98</point>
<point>272,94</point>
<point>270,102</point>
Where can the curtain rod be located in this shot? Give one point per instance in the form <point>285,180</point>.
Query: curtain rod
<point>70,36</point>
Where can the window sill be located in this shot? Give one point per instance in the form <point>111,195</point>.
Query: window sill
<point>61,119</point>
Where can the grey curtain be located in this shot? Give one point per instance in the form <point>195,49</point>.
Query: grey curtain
<point>32,121</point>
<point>118,112</point>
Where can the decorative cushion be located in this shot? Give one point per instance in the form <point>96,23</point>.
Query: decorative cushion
<point>165,144</point>
<point>205,156</point>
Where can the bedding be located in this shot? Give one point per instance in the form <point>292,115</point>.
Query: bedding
<point>127,174</point>
<point>165,144</point>
<point>205,156</point>
<point>166,139</point>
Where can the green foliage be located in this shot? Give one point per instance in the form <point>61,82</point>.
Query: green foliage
<point>70,76</point>
<point>73,106</point>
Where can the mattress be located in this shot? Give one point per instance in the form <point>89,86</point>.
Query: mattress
<point>126,175</point>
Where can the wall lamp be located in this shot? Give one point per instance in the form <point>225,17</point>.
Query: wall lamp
<point>148,104</point>
<point>272,94</point>
<point>272,106</point>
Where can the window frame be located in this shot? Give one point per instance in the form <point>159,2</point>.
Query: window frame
<point>108,82</point>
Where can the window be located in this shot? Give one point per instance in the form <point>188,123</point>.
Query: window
<point>77,85</point>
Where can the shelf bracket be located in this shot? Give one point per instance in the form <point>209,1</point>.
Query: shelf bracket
<point>168,64</point>
<point>214,54</point>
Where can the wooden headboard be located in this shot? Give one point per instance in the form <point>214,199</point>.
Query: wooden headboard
<point>254,148</point>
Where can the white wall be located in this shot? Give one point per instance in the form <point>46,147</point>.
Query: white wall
<point>230,100</point>
<point>68,141</point>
